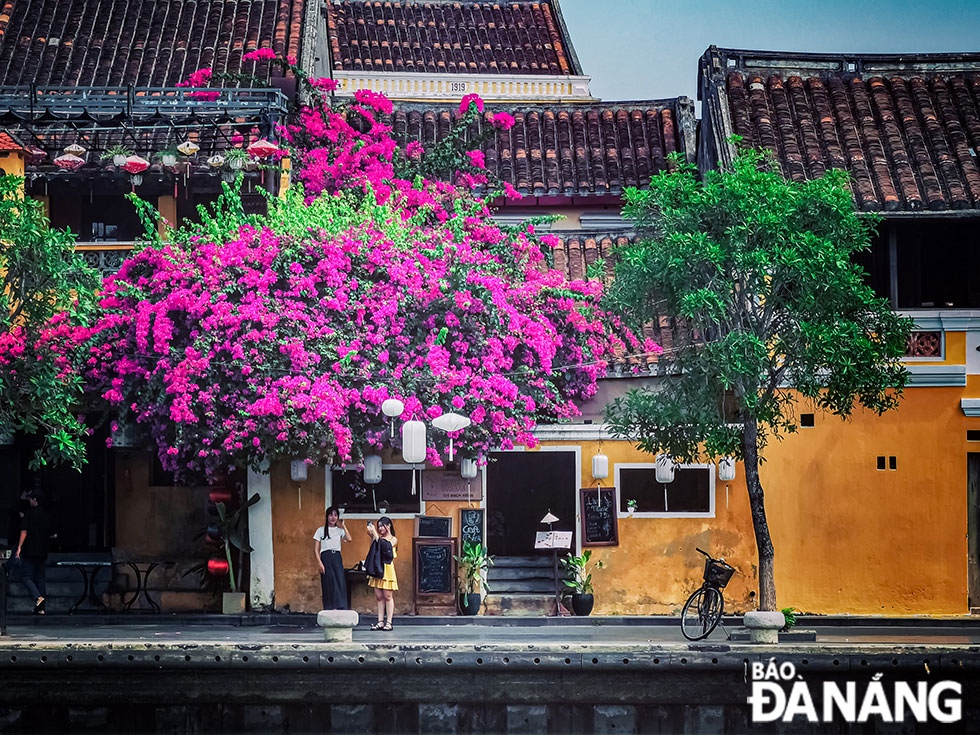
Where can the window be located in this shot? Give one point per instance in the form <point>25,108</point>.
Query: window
<point>350,492</point>
<point>806,420</point>
<point>691,493</point>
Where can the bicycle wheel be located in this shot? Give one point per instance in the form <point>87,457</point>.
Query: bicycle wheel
<point>701,613</point>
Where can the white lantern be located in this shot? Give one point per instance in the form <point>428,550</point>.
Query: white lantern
<point>372,469</point>
<point>74,150</point>
<point>451,422</point>
<point>392,408</point>
<point>726,469</point>
<point>297,470</point>
<point>413,442</point>
<point>216,161</point>
<point>600,467</point>
<point>467,469</point>
<point>665,468</point>
<point>188,148</point>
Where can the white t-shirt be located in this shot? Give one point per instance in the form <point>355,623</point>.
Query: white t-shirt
<point>332,543</point>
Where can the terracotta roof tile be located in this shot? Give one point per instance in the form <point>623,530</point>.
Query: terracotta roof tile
<point>8,142</point>
<point>565,150</point>
<point>518,37</point>
<point>119,42</point>
<point>906,128</point>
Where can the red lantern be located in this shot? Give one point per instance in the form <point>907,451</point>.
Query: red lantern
<point>69,162</point>
<point>219,496</point>
<point>35,154</point>
<point>262,148</point>
<point>136,165</point>
<point>217,567</point>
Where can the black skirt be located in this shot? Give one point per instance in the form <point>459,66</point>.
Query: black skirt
<point>332,583</point>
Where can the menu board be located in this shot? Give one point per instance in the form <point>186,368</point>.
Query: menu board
<point>600,521</point>
<point>434,526</point>
<point>471,526</point>
<point>435,574</point>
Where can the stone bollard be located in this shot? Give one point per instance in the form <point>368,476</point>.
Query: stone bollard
<point>338,625</point>
<point>764,625</point>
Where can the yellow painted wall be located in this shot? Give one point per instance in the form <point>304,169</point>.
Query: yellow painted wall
<point>12,163</point>
<point>849,538</point>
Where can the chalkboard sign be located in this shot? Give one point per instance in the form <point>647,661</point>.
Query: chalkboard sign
<point>470,526</point>
<point>435,565</point>
<point>434,526</point>
<point>600,522</point>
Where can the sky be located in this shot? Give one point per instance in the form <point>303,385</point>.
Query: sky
<point>649,49</point>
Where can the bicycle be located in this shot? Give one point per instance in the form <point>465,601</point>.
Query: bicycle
<point>703,609</point>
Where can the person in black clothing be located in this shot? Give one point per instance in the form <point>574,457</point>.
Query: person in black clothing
<point>32,550</point>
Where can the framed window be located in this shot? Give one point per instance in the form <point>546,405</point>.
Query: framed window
<point>348,490</point>
<point>690,495</point>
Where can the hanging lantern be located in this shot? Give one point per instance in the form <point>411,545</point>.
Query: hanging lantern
<point>136,164</point>
<point>450,423</point>
<point>665,468</point>
<point>69,162</point>
<point>468,469</point>
<point>600,467</point>
<point>35,154</point>
<point>726,469</point>
<point>372,469</point>
<point>392,408</point>
<point>213,535</point>
<point>297,470</point>
<point>217,567</point>
<point>188,148</point>
<point>262,148</point>
<point>413,442</point>
<point>216,161</point>
<point>74,149</point>
<point>215,497</point>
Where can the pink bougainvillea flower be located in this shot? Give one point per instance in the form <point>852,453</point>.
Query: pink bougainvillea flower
<point>374,100</point>
<point>477,158</point>
<point>414,149</point>
<point>470,99</point>
<point>259,53</point>
<point>503,120</point>
<point>325,84</point>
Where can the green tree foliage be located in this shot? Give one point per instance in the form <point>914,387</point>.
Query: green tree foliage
<point>761,269</point>
<point>42,277</point>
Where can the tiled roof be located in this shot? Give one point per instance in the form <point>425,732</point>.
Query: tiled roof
<point>119,42</point>
<point>571,150</point>
<point>907,128</point>
<point>444,38</point>
<point>9,143</point>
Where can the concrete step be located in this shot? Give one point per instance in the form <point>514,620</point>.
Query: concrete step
<point>521,573</point>
<point>519,605</point>
<point>522,587</point>
<point>542,561</point>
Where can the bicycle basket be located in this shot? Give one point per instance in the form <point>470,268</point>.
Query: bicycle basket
<point>717,573</point>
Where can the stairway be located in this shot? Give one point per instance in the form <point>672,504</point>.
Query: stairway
<point>64,585</point>
<point>521,585</point>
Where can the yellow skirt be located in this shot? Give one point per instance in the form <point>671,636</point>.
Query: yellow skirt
<point>388,582</point>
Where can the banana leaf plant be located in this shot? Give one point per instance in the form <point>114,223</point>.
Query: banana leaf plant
<point>233,528</point>
<point>474,563</point>
<point>579,570</point>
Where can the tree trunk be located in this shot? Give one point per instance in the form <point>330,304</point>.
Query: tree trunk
<point>757,503</point>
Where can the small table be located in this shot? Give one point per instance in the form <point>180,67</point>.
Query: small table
<point>351,576</point>
<point>89,570</point>
<point>142,570</point>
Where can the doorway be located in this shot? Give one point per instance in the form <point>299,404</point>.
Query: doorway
<point>973,528</point>
<point>521,488</point>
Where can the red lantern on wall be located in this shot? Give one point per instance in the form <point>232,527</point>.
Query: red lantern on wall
<point>217,567</point>
<point>262,148</point>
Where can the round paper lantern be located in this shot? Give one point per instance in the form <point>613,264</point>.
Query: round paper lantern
<point>468,469</point>
<point>217,567</point>
<point>219,496</point>
<point>665,468</point>
<point>600,467</point>
<point>726,469</point>
<point>136,164</point>
<point>451,422</point>
<point>372,469</point>
<point>188,148</point>
<point>69,162</point>
<point>413,442</point>
<point>297,470</point>
<point>392,408</point>
<point>262,148</point>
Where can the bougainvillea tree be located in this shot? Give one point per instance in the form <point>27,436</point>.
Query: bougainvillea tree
<point>245,339</point>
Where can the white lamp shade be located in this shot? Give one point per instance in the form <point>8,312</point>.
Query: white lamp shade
<point>413,442</point>
<point>372,469</point>
<point>550,518</point>
<point>392,408</point>
<point>467,469</point>
<point>600,467</point>
<point>449,422</point>
<point>665,468</point>
<point>297,470</point>
<point>726,469</point>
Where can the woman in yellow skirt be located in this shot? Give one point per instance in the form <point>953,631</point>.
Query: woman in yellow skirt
<point>384,586</point>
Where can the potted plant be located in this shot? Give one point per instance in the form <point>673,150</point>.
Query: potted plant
<point>168,156</point>
<point>579,572</point>
<point>236,158</point>
<point>117,154</point>
<point>474,563</point>
<point>233,532</point>
<point>631,506</point>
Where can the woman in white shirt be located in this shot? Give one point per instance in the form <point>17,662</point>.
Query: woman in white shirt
<point>333,586</point>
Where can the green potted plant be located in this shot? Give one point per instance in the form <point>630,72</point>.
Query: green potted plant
<point>168,156</point>
<point>117,154</point>
<point>579,579</point>
<point>474,563</point>
<point>233,532</point>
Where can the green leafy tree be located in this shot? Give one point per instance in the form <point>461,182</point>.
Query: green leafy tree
<point>761,270</point>
<point>46,289</point>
